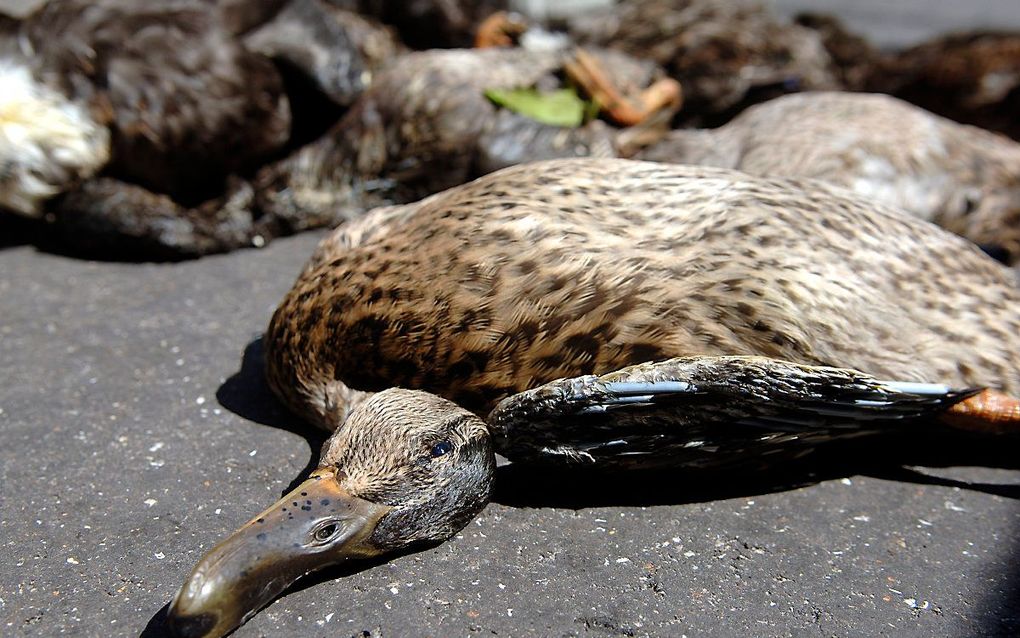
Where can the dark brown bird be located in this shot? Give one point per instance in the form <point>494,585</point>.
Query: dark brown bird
<point>160,99</point>
<point>971,77</point>
<point>727,54</point>
<point>727,295</point>
<point>184,101</point>
<point>146,114</point>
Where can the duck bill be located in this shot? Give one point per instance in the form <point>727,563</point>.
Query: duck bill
<point>316,525</point>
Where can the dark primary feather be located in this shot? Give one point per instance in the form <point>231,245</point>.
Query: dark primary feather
<point>687,410</point>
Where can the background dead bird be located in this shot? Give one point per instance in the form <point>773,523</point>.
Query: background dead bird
<point>726,55</point>
<point>425,125</point>
<point>971,77</point>
<point>172,104</point>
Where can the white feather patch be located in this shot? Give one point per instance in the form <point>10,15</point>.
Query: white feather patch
<point>47,142</point>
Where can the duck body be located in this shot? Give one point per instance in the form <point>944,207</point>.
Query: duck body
<point>958,176</point>
<point>612,313</point>
<point>426,125</point>
<point>726,54</point>
<point>564,268</point>
<point>184,101</point>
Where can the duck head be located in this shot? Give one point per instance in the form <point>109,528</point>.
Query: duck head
<point>407,468</point>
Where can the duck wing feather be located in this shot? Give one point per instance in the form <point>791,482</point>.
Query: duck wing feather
<point>707,411</point>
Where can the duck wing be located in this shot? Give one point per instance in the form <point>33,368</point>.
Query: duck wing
<point>707,411</point>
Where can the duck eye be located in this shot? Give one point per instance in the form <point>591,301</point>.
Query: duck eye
<point>441,448</point>
<point>325,532</point>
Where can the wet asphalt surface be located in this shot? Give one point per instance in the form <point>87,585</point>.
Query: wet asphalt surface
<point>136,431</point>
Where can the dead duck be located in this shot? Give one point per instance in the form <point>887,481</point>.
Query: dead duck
<point>961,177</point>
<point>709,302</point>
<point>971,77</point>
<point>182,101</point>
<point>132,115</point>
<point>426,124</point>
<point>153,113</point>
<point>727,55</point>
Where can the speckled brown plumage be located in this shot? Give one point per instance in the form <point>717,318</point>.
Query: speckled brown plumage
<point>570,267</point>
<point>548,271</point>
<point>961,177</point>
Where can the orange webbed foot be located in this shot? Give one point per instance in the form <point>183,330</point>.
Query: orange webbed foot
<point>501,29</point>
<point>623,109</point>
<point>989,411</point>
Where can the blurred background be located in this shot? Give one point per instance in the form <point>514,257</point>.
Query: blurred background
<point>176,129</point>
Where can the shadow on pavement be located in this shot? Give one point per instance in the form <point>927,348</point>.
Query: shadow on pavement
<point>16,230</point>
<point>247,395</point>
<point>891,458</point>
<point>157,626</point>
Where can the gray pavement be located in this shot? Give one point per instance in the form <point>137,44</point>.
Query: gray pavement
<point>134,437</point>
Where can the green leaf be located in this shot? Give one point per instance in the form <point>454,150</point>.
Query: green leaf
<point>558,108</point>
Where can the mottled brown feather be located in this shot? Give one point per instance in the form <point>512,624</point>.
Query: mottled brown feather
<point>961,177</point>
<point>571,267</point>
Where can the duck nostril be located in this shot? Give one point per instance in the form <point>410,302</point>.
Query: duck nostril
<point>191,626</point>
